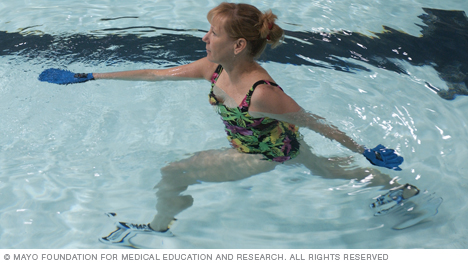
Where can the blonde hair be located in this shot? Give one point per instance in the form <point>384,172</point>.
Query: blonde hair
<point>246,21</point>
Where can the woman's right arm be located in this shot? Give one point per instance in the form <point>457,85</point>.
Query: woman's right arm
<point>200,69</point>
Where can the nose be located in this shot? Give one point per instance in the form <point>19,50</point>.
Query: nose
<point>205,38</point>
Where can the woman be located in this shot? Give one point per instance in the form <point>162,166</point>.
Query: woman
<point>261,119</point>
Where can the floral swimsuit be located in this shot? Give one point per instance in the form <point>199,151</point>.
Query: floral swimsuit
<point>276,140</point>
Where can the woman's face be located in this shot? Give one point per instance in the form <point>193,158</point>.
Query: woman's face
<point>219,46</point>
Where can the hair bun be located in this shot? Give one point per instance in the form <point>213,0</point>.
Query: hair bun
<point>269,30</point>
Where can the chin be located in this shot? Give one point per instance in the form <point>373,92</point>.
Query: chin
<point>210,59</point>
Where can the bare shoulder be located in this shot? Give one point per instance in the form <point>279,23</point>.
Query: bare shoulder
<point>271,99</point>
<point>205,68</point>
<point>200,69</point>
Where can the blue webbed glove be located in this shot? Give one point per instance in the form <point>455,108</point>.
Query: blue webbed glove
<point>60,76</point>
<point>384,157</point>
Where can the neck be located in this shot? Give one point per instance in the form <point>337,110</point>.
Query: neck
<point>238,68</point>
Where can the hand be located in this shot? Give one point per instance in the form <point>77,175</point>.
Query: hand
<point>384,157</point>
<point>60,76</point>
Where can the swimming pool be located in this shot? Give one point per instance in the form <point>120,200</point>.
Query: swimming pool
<point>71,154</point>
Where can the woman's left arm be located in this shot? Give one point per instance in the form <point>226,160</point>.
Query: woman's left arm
<point>270,101</point>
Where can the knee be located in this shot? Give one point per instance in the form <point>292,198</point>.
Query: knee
<point>174,179</point>
<point>172,169</point>
<point>187,200</point>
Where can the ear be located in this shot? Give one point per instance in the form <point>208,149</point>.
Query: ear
<point>240,45</point>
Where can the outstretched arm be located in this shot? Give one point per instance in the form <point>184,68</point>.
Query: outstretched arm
<point>269,101</point>
<point>316,123</point>
<point>200,69</point>
<point>320,125</point>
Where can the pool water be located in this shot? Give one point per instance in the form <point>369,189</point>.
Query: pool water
<point>71,154</point>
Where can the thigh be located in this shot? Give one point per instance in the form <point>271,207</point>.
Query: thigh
<point>217,166</point>
<point>320,165</point>
<point>340,168</point>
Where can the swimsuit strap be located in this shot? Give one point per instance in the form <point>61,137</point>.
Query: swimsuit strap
<point>214,78</point>
<point>246,102</point>
<point>216,74</point>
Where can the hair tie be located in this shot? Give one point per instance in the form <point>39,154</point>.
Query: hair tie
<point>270,26</point>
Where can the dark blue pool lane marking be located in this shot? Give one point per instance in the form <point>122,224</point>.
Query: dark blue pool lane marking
<point>442,45</point>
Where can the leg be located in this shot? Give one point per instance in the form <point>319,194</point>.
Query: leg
<point>341,168</point>
<point>207,166</point>
<point>408,213</point>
